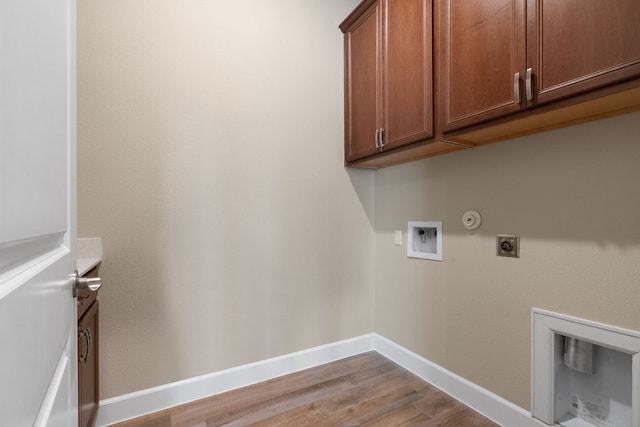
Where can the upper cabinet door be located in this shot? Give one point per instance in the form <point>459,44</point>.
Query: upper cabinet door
<point>363,84</point>
<point>408,72</point>
<point>388,76</point>
<point>577,45</point>
<point>481,58</point>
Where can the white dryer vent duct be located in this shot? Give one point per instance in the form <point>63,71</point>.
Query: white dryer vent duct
<point>578,355</point>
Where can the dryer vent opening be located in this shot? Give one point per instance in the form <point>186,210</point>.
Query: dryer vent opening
<point>583,372</point>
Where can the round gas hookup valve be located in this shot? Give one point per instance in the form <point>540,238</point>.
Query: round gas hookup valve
<point>471,220</point>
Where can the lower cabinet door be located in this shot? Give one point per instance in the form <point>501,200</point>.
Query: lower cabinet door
<point>88,396</point>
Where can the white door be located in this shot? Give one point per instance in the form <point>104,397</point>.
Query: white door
<point>38,379</point>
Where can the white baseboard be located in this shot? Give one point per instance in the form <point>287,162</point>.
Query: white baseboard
<point>155,399</point>
<point>143,402</point>
<point>482,400</point>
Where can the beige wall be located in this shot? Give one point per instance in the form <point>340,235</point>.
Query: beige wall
<point>573,197</point>
<point>210,161</point>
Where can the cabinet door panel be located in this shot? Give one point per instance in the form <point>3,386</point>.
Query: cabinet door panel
<point>408,92</point>
<point>482,46</point>
<point>362,85</point>
<point>88,385</point>
<point>578,45</point>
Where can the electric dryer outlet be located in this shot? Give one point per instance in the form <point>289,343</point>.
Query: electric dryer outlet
<point>508,245</point>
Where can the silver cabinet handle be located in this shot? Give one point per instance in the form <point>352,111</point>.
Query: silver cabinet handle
<point>375,139</point>
<point>90,343</point>
<point>382,144</point>
<point>81,283</point>
<point>83,357</point>
<point>516,88</point>
<point>528,84</point>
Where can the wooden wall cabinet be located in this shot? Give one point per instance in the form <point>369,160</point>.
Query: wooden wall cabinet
<point>482,50</point>
<point>574,46</point>
<point>498,57</point>
<point>388,78</point>
<point>88,384</point>
<point>503,69</point>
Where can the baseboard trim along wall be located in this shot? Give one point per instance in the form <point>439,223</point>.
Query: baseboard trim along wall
<point>480,399</point>
<point>155,399</point>
<point>133,405</point>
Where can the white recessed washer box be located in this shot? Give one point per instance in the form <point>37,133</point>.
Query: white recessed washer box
<point>424,240</point>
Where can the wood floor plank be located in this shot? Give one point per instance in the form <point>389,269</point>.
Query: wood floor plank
<point>422,420</point>
<point>300,416</point>
<point>229,405</point>
<point>438,404</point>
<point>366,390</point>
<point>270,398</point>
<point>373,407</point>
<point>237,402</point>
<point>282,404</point>
<point>339,386</point>
<point>401,415</point>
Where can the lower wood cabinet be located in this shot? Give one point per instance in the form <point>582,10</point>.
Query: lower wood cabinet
<point>88,333</point>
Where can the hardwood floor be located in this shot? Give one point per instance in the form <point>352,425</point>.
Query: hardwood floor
<point>364,390</point>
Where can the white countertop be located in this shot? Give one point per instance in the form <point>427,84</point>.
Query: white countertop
<point>89,254</point>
